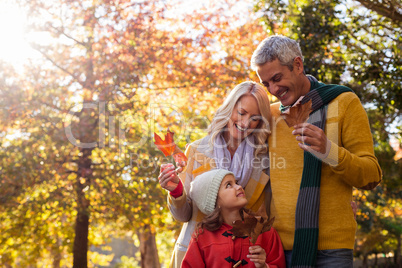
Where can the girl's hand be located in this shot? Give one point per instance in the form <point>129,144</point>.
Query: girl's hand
<point>168,178</point>
<point>258,256</point>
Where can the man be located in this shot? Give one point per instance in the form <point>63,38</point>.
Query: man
<point>321,160</point>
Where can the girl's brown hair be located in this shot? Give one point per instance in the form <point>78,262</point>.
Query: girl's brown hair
<point>214,221</point>
<point>211,222</point>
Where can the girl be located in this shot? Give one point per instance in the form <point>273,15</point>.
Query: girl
<point>217,194</point>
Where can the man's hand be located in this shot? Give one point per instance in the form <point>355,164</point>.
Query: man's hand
<point>312,139</point>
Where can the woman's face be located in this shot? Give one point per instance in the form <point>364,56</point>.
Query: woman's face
<point>231,196</point>
<point>244,119</point>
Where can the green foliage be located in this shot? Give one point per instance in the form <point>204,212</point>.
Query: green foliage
<point>317,27</point>
<point>345,42</point>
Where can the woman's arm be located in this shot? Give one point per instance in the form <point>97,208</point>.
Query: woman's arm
<point>180,205</point>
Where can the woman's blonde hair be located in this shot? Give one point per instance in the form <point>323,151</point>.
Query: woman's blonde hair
<point>225,111</point>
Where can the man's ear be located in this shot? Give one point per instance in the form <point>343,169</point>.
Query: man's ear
<point>298,65</point>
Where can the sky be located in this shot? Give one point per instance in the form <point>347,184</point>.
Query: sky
<point>14,44</point>
<point>14,48</point>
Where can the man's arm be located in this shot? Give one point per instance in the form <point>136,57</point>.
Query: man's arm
<point>354,159</point>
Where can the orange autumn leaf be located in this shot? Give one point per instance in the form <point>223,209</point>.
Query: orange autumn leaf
<point>297,114</point>
<point>262,226</point>
<point>167,146</point>
<point>252,227</point>
<point>179,156</point>
<point>244,228</point>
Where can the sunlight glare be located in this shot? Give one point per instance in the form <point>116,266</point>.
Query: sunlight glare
<point>13,47</point>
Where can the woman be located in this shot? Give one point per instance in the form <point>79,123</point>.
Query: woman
<point>214,243</point>
<point>236,141</point>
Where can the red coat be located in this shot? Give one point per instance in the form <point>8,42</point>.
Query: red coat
<point>218,249</point>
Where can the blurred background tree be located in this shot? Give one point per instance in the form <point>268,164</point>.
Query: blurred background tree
<point>78,161</point>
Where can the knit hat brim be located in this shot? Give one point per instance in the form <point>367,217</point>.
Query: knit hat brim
<point>205,187</point>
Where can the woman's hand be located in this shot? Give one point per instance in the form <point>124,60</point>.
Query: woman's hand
<point>181,165</point>
<point>168,178</point>
<point>258,256</point>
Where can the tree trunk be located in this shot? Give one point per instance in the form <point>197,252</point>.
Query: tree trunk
<point>80,248</point>
<point>56,261</point>
<point>148,250</point>
<point>365,259</point>
<point>56,254</point>
<point>397,255</point>
<point>87,134</point>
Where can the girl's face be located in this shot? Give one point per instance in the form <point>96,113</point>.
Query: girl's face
<point>231,196</point>
<point>244,119</point>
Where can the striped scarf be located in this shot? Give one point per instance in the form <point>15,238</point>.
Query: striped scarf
<point>308,202</point>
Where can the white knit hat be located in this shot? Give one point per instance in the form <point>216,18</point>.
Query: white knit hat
<point>204,189</point>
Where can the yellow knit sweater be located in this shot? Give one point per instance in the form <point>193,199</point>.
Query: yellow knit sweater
<point>350,163</point>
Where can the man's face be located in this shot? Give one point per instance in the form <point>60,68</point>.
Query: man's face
<point>284,84</point>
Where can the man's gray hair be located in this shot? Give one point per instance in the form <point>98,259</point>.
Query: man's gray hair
<point>276,47</point>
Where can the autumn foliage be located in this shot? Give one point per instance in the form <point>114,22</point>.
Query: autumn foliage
<point>80,165</point>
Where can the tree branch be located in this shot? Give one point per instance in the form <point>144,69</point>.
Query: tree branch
<point>365,43</point>
<point>67,35</point>
<point>390,10</point>
<point>57,65</point>
<point>53,106</point>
